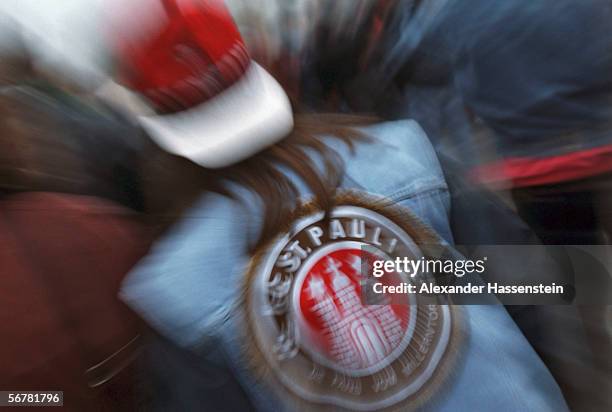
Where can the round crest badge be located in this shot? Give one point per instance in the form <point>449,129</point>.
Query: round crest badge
<point>311,325</point>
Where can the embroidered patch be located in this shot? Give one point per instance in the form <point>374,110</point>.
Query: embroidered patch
<point>309,324</point>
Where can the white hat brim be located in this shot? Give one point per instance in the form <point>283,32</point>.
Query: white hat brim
<point>244,119</point>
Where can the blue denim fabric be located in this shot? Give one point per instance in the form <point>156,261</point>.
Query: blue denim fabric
<point>187,288</point>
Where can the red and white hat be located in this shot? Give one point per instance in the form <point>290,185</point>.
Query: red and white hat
<point>214,104</point>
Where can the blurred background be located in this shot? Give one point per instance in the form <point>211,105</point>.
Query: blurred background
<point>515,97</point>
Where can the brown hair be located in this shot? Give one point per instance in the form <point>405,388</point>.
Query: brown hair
<point>261,173</point>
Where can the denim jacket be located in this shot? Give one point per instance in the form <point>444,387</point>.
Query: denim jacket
<point>189,285</point>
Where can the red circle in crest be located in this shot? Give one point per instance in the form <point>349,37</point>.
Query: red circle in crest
<point>349,333</point>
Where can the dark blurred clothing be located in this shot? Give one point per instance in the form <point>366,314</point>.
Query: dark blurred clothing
<point>62,259</point>
<point>538,74</point>
<point>575,213</point>
<point>177,379</point>
<point>570,213</point>
<point>532,71</point>
<point>59,142</point>
<point>570,339</point>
